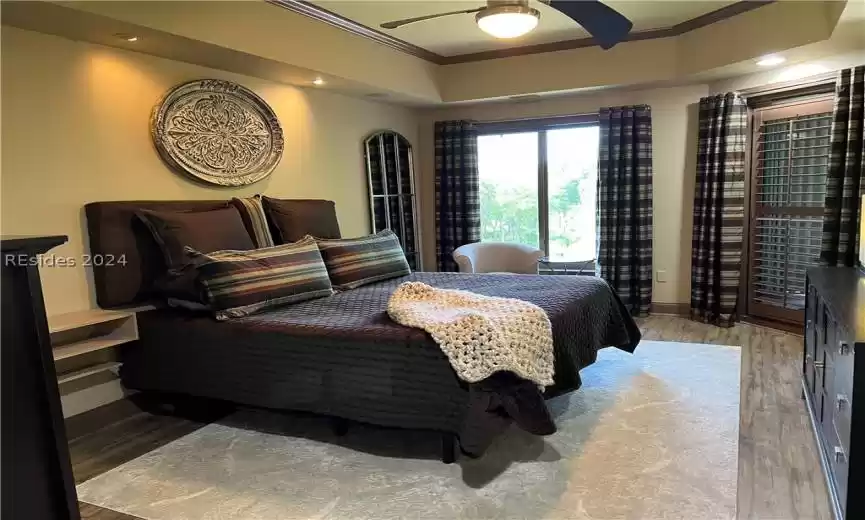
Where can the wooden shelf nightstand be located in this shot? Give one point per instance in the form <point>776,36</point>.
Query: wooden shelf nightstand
<point>86,359</point>
<point>78,333</point>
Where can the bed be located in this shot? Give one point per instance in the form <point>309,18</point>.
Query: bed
<point>342,356</point>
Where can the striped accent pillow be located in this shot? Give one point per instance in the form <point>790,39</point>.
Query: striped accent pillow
<point>352,262</point>
<point>240,283</point>
<point>255,219</point>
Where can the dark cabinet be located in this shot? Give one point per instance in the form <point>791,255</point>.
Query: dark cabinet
<point>36,472</point>
<point>833,381</point>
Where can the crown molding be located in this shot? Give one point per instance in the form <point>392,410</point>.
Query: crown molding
<point>329,17</point>
<point>321,14</point>
<point>667,32</point>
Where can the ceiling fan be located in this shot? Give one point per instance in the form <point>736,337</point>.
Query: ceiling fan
<point>513,18</point>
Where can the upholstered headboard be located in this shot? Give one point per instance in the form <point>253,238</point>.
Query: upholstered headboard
<point>126,258</point>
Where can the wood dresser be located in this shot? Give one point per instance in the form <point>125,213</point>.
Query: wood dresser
<point>834,382</point>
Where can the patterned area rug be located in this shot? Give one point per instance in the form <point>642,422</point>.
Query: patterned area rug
<point>650,435</point>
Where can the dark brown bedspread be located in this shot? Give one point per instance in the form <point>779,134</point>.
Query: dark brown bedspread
<point>344,356</point>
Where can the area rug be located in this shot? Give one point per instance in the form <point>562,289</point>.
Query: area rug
<point>651,435</point>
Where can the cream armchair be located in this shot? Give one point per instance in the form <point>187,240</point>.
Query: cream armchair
<point>497,257</point>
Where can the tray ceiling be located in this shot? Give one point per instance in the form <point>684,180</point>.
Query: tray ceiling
<point>458,34</point>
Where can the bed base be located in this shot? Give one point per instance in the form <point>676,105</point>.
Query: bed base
<point>448,440</point>
<point>449,448</point>
<point>205,410</point>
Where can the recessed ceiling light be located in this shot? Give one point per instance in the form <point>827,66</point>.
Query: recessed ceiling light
<point>318,82</point>
<point>127,37</point>
<point>771,60</point>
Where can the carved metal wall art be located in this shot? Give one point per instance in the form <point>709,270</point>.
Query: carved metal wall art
<point>218,132</point>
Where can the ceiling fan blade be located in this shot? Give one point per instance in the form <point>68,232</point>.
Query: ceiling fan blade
<point>399,23</point>
<point>604,23</point>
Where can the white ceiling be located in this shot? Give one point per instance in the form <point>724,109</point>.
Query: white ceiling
<point>458,34</point>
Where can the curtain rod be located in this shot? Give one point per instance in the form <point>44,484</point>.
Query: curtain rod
<point>810,82</point>
<point>585,115</point>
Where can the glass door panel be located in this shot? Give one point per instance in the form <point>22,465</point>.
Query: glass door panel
<point>572,180</point>
<point>789,165</point>
<point>508,167</point>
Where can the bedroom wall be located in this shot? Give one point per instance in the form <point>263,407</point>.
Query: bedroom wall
<point>76,120</point>
<point>674,132</point>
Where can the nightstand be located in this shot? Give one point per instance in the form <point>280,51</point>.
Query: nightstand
<point>86,358</point>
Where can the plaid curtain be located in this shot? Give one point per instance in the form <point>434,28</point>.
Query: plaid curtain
<point>719,209</point>
<point>844,178</point>
<point>457,185</point>
<point>625,204</point>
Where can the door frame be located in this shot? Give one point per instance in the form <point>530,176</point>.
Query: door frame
<point>762,109</point>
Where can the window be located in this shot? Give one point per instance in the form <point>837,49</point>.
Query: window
<point>508,167</point>
<point>538,187</point>
<point>572,180</point>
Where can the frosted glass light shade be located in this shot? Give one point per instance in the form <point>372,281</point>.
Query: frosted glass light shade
<point>508,21</point>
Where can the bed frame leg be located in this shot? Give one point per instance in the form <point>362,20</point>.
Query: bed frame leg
<point>339,425</point>
<point>449,448</point>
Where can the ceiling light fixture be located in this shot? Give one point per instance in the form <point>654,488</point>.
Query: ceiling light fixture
<point>771,60</point>
<point>508,21</point>
<point>318,82</point>
<point>127,37</point>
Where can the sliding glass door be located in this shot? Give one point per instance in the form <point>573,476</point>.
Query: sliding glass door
<point>538,187</point>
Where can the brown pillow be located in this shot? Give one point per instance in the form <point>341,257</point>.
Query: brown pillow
<point>239,283</point>
<point>352,262</point>
<point>206,231</point>
<point>294,219</point>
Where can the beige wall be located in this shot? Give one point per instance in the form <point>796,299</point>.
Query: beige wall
<point>266,39</point>
<point>268,31</point>
<point>793,72</point>
<point>76,129</point>
<point>674,132</point>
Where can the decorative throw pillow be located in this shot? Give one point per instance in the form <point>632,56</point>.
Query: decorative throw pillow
<point>240,283</point>
<point>352,262</point>
<point>201,230</point>
<point>179,288</point>
<point>292,220</point>
<point>254,218</point>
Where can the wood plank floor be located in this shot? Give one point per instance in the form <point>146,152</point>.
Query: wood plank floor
<point>779,467</point>
<point>779,472</point>
<point>109,447</point>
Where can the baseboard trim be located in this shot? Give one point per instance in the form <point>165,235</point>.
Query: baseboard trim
<point>684,309</point>
<point>784,326</point>
<point>674,309</point>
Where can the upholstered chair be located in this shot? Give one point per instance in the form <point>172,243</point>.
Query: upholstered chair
<point>497,257</point>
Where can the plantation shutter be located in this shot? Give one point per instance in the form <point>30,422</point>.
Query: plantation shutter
<point>791,159</point>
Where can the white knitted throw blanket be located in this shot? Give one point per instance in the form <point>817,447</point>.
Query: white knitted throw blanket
<point>479,334</point>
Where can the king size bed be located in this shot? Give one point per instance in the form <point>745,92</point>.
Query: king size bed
<point>341,355</point>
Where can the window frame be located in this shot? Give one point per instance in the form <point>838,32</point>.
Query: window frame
<point>541,126</point>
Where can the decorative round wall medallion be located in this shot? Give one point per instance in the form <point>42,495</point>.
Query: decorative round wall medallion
<point>217,131</point>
